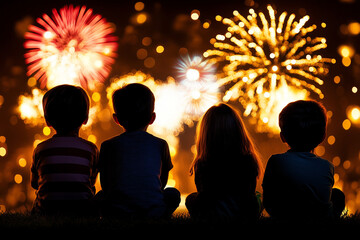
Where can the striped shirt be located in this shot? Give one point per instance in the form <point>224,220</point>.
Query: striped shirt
<point>64,168</point>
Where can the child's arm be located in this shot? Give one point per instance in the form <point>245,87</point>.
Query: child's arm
<point>164,178</point>
<point>34,175</point>
<point>166,166</point>
<point>94,167</point>
<point>103,167</point>
<point>271,187</point>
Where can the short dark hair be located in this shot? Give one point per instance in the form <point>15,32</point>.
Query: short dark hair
<point>303,124</point>
<point>133,105</point>
<point>66,107</point>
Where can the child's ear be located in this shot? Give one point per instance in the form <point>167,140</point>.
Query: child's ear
<point>323,138</point>
<point>48,124</point>
<point>116,118</point>
<point>152,119</point>
<point>86,120</point>
<point>282,137</point>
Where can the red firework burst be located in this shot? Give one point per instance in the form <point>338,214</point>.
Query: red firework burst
<point>75,46</point>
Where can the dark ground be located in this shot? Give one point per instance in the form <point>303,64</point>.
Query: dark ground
<point>179,226</point>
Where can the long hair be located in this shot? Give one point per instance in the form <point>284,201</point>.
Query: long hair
<point>221,136</point>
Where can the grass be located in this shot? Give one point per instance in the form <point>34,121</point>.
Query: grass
<point>179,224</point>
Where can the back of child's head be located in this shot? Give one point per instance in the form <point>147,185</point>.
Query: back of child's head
<point>220,127</point>
<point>221,134</point>
<point>66,107</point>
<point>133,105</point>
<point>303,124</point>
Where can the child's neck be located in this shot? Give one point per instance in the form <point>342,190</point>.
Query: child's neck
<point>300,150</point>
<point>137,129</point>
<point>72,133</point>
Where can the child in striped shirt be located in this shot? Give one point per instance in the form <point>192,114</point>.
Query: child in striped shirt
<point>64,167</point>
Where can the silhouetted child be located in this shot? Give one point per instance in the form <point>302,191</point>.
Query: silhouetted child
<point>64,167</point>
<point>226,168</point>
<point>298,184</point>
<point>134,166</point>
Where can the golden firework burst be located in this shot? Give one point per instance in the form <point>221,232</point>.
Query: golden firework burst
<point>268,63</point>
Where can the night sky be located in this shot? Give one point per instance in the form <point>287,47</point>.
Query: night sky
<point>162,27</point>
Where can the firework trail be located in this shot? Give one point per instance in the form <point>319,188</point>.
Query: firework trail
<point>74,47</point>
<point>267,64</point>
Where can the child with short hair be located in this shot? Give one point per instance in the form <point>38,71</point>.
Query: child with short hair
<point>64,167</point>
<point>298,184</point>
<point>226,167</point>
<point>134,165</point>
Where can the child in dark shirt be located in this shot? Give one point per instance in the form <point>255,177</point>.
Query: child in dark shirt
<point>298,184</point>
<point>134,165</point>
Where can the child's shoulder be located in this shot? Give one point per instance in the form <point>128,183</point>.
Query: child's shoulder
<point>155,138</point>
<point>86,142</point>
<point>66,142</point>
<point>42,145</point>
<point>278,157</point>
<point>136,136</point>
<point>307,158</point>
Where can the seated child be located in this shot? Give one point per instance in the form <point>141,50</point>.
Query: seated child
<point>64,167</point>
<point>134,165</point>
<point>298,184</point>
<point>226,168</point>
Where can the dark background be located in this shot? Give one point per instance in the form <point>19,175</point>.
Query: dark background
<point>160,26</point>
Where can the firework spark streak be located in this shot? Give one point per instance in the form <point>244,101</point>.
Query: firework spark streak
<point>74,46</point>
<point>268,63</point>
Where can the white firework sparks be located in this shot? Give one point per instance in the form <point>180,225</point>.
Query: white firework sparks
<point>197,77</point>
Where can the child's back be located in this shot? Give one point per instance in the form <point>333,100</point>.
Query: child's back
<point>132,164</point>
<point>63,174</point>
<point>298,184</point>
